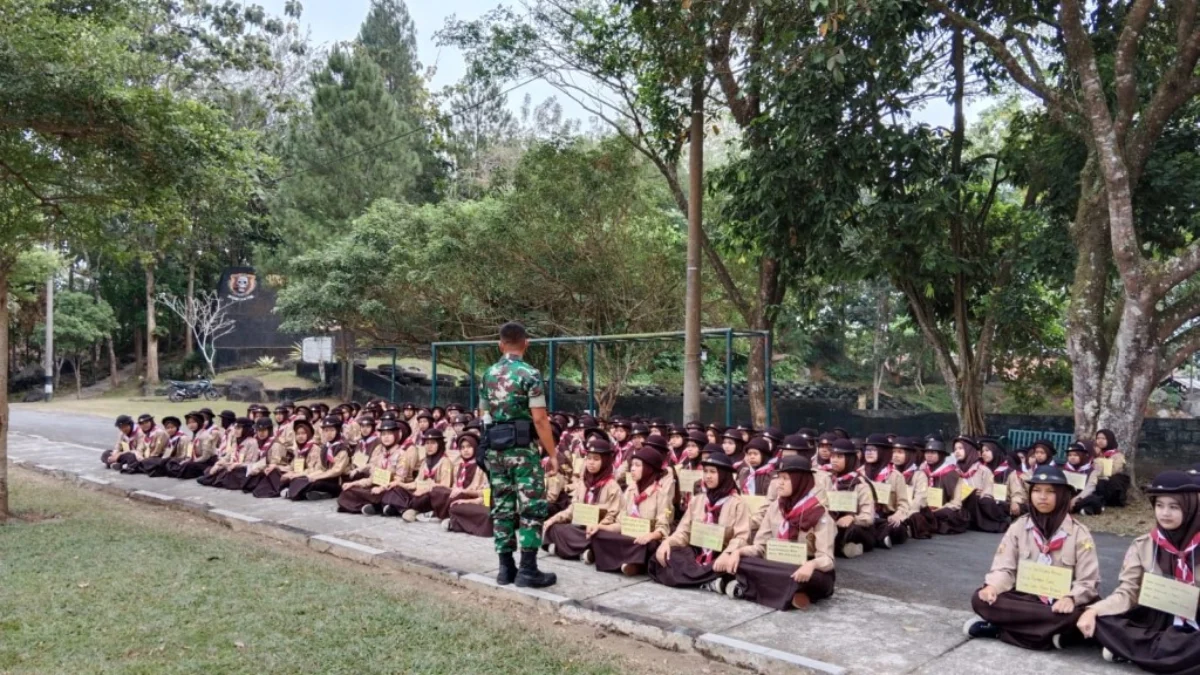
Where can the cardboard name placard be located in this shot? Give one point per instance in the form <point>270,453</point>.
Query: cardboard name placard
<point>964,490</point>
<point>1076,480</point>
<point>487,497</point>
<point>359,460</point>
<point>585,514</point>
<point>1043,580</point>
<point>1105,466</point>
<point>1170,596</point>
<point>577,466</point>
<point>791,552</point>
<point>632,526</point>
<point>124,446</point>
<point>424,485</point>
<point>688,479</point>
<point>298,465</point>
<point>711,537</point>
<point>381,477</point>
<point>755,502</point>
<point>935,498</point>
<point>845,501</point>
<point>1000,493</point>
<point>883,493</point>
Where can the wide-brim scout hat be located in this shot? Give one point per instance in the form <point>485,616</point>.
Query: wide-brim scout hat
<point>718,429</point>
<point>905,443</point>
<point>827,438</point>
<point>878,440</point>
<point>366,421</point>
<point>639,430</point>
<point>123,419</point>
<point>650,456</point>
<point>745,426</point>
<point>454,407</point>
<point>408,406</point>
<point>774,434</point>
<point>693,426</point>
<point>719,460</point>
<point>145,417</point>
<point>934,445</point>
<point>228,415</point>
<point>622,424</point>
<point>171,419</point>
<point>844,446</point>
<point>657,443</point>
<point>245,422</point>
<point>469,439</point>
<point>698,437</point>
<point>332,421</point>
<point>1049,475</point>
<point>1084,448</point>
<point>733,435</point>
<point>711,449</point>
<point>305,424</point>
<point>795,464</point>
<point>593,432</point>
<point>263,423</point>
<point>676,430</point>
<point>965,439</point>
<point>1172,482</point>
<point>796,442</point>
<point>194,415</point>
<point>1045,443</point>
<point>433,435</point>
<point>599,446</point>
<point>761,445</point>
<point>282,409</point>
<point>389,425</point>
<point>389,415</point>
<point>425,415</point>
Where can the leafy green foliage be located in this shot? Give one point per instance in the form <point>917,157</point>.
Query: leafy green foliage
<point>80,321</point>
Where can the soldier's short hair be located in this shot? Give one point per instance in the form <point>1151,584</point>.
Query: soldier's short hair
<point>513,333</point>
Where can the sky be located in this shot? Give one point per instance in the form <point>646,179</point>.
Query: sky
<point>332,21</point>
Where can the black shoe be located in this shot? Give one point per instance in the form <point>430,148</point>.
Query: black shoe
<point>508,570</point>
<point>369,510</point>
<point>978,628</point>
<point>529,576</point>
<point>389,510</point>
<point>317,495</point>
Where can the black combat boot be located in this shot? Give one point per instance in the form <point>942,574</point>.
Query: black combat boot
<point>529,576</point>
<point>508,569</point>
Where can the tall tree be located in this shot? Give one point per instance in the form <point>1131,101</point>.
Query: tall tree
<point>1118,77</point>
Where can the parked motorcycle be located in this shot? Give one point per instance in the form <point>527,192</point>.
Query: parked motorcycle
<point>186,391</point>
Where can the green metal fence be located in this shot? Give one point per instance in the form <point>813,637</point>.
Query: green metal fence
<point>1023,438</point>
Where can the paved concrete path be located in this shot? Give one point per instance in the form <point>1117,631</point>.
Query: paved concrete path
<point>897,611</point>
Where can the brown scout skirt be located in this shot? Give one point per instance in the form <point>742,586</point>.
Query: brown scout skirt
<point>770,583</point>
<point>613,549</point>
<point>1148,638</point>
<point>474,519</point>
<point>1025,621</point>
<point>353,499</point>
<point>682,569</point>
<point>569,541</point>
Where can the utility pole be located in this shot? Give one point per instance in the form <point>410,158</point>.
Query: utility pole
<point>691,343</point>
<point>48,355</point>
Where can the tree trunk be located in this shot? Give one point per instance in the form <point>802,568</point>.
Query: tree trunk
<point>971,421</point>
<point>78,377</point>
<point>113,370</point>
<point>881,324</point>
<point>4,513</point>
<point>1085,309</point>
<point>347,366</point>
<point>188,345</point>
<point>139,352</point>
<point>151,326</point>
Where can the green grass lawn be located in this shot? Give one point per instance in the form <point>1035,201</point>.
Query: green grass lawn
<point>94,584</point>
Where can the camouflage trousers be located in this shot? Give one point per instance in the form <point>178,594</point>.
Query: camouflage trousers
<point>518,498</point>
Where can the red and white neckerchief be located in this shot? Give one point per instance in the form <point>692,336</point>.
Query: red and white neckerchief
<point>946,468</point>
<point>1185,564</point>
<point>461,479</point>
<point>712,513</point>
<point>751,481</point>
<point>999,471</point>
<point>1109,453</point>
<point>173,441</point>
<point>641,497</point>
<point>593,492</point>
<point>1082,468</point>
<point>428,472</point>
<point>364,442</point>
<point>1046,548</point>
<point>386,462</point>
<point>825,467</point>
<point>132,439</point>
<point>672,457</point>
<point>785,528</point>
<point>886,471</point>
<point>330,450</point>
<point>970,473</point>
<point>264,446</point>
<point>910,472</point>
<point>846,479</point>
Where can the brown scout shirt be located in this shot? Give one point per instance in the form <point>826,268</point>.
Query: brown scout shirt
<point>1078,554</point>
<point>866,505</point>
<point>820,539</point>
<point>153,444</point>
<point>735,517</point>
<point>609,501</point>
<point>1139,560</point>
<point>656,508</point>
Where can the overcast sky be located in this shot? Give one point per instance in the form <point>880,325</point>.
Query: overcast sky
<point>337,20</point>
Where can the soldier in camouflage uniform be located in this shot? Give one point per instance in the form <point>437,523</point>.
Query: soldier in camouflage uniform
<point>513,396</point>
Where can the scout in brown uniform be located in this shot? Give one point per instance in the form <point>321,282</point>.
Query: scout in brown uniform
<point>1080,464</point>
<point>734,446</point>
<point>754,477</point>
<point>151,444</point>
<point>274,457</point>
<point>796,516</point>
<point>1153,639</point>
<point>156,467</point>
<point>1114,488</point>
<point>982,509</point>
<point>305,456</point>
<point>471,514</point>
<point>666,474</point>
<point>645,500</point>
<point>856,529</point>
<point>365,494</point>
<point>230,451</point>
<point>1006,473</point>
<point>597,487</point>
<point>1047,536</point>
<point>410,499</point>
<point>942,477</point>
<point>362,451</point>
<point>676,562</point>
<point>469,481</point>
<point>250,451</point>
<point>891,514</point>
<point>322,479</point>
<point>919,521</point>
<point>126,441</point>
<point>199,453</point>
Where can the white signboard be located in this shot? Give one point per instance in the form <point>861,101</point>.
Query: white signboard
<point>317,350</point>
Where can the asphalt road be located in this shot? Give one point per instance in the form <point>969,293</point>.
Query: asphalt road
<point>942,571</point>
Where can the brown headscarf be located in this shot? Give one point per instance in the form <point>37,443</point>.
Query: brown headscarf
<point>1181,536</point>
<point>1048,523</point>
<point>802,483</point>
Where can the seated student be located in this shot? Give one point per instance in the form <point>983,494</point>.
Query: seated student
<point>714,432</point>
<point>918,520</point>
<point>366,447</point>
<point>754,476</point>
<point>324,466</point>
<point>622,455</point>
<point>801,445</point>
<point>796,516</point>
<point>1048,536</point>
<point>1080,463</point>
<point>644,499</point>
<point>276,455</point>
<point>469,481</point>
<point>689,456</point>
<point>126,442</point>
<point>676,562</point>
<point>985,514</point>
<point>1114,487</point>
<point>824,451</point>
<point>676,438</point>
<point>666,476</point>
<point>362,494</point>
<point>252,450</point>
<point>942,476</point>
<point>1041,453</point>
<point>856,529</point>
<point>282,463</point>
<point>1006,473</point>
<point>733,446</point>
<point>199,453</point>
<point>1152,639</point>
<point>411,500</point>
<point>151,443</point>
<point>599,488</point>
<point>156,467</point>
<point>879,468</point>
<point>230,453</point>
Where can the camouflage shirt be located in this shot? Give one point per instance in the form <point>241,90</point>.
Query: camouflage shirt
<point>510,388</point>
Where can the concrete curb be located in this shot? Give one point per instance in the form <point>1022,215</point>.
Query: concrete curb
<point>664,635</point>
